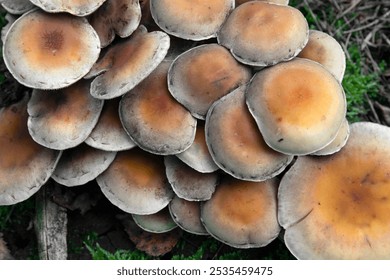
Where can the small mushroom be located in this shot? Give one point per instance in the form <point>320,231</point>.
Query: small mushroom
<point>81,164</point>
<point>235,143</point>
<point>10,20</point>
<point>120,17</point>
<point>191,20</point>
<point>63,119</point>
<point>154,120</point>
<point>159,222</point>
<point>262,34</point>
<point>242,214</point>
<point>50,51</point>
<point>17,7</point>
<point>325,50</point>
<point>298,106</point>
<point>75,7</point>
<point>24,165</point>
<point>136,182</point>
<point>203,74</point>
<point>337,207</point>
<point>127,63</point>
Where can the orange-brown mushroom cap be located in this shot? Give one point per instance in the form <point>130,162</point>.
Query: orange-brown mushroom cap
<point>17,7</point>
<point>24,165</point>
<point>159,222</point>
<point>74,7</point>
<point>50,51</point>
<point>242,214</point>
<point>337,207</point>
<point>298,106</point>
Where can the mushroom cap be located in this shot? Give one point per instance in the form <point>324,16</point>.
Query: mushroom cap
<point>280,2</point>
<point>242,214</point>
<point>337,207</point>
<point>298,106</point>
<point>50,51</point>
<point>81,164</point>
<point>188,183</point>
<point>63,118</point>
<point>24,165</point>
<point>203,74</point>
<point>191,20</point>
<point>10,20</point>
<point>159,222</point>
<point>109,134</point>
<point>197,156</point>
<point>75,7</point>
<point>235,143</point>
<point>136,183</point>
<point>17,7</point>
<point>127,63</point>
<point>325,50</point>
<point>141,111</point>
<point>120,17</point>
<point>186,214</point>
<point>262,34</point>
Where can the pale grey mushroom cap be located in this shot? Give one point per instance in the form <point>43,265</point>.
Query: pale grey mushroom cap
<point>64,118</point>
<point>17,7</point>
<point>81,165</point>
<point>262,34</point>
<point>136,182</point>
<point>159,222</point>
<point>298,106</point>
<point>186,214</point>
<point>242,214</point>
<point>337,207</point>
<point>75,7</point>
<point>235,142</point>
<point>50,51</point>
<point>24,165</point>
<point>191,20</point>
<point>187,183</point>
<point>153,119</point>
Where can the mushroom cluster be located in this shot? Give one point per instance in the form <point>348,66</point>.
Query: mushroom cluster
<point>223,118</point>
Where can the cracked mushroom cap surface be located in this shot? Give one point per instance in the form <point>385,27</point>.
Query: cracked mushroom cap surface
<point>262,34</point>
<point>50,51</point>
<point>159,222</point>
<point>298,106</point>
<point>24,165</point>
<point>337,207</point>
<point>191,20</point>
<point>75,7</point>
<point>242,214</point>
<point>235,142</point>
<point>17,7</point>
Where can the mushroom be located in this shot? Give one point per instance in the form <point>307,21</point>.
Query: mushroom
<point>188,183</point>
<point>337,207</point>
<point>24,165</point>
<point>120,17</point>
<point>235,142</point>
<point>203,74</point>
<point>136,183</point>
<point>81,165</point>
<point>63,119</point>
<point>75,7</point>
<point>154,120</point>
<point>298,106</point>
<point>262,34</point>
<point>127,63</point>
<point>242,214</point>
<point>325,50</point>
<point>191,20</point>
<point>50,51</point>
<point>10,20</point>
<point>109,134</point>
<point>186,214</point>
<point>17,7</point>
<point>280,2</point>
<point>159,222</point>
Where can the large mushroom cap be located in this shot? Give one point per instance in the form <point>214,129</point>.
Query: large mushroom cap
<point>192,20</point>
<point>24,165</point>
<point>50,51</point>
<point>17,7</point>
<point>154,119</point>
<point>337,207</point>
<point>298,106</point>
<point>235,142</point>
<point>74,7</point>
<point>159,222</point>
<point>136,182</point>
<point>262,34</point>
<point>203,74</point>
<point>242,214</point>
